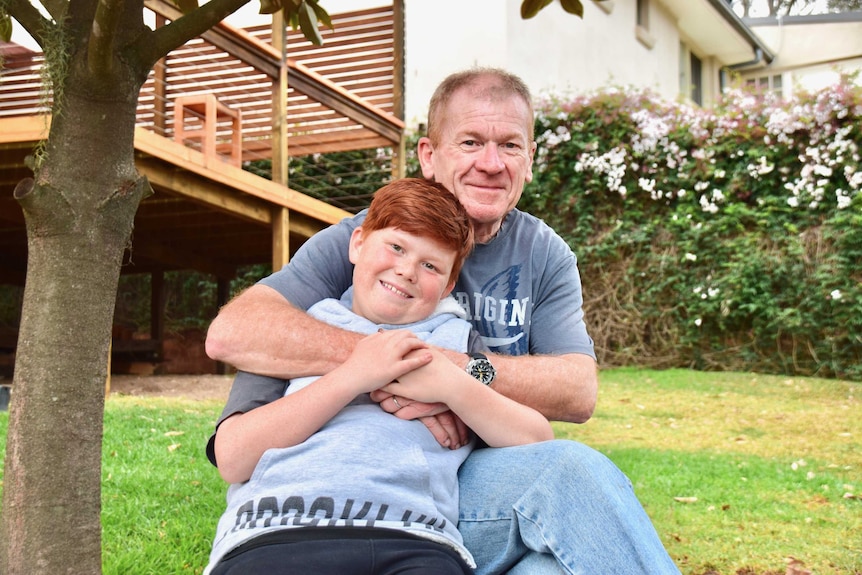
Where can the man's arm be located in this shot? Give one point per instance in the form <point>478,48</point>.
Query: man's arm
<point>259,331</point>
<point>560,387</point>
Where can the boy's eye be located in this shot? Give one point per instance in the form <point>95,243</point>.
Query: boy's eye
<point>430,266</point>
<point>397,248</point>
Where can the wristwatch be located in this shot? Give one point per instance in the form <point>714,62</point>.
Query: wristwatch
<point>480,368</point>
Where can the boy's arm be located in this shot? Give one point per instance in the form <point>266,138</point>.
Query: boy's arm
<point>378,359</point>
<point>498,420</point>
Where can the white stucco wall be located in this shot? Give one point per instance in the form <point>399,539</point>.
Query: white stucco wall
<point>812,56</point>
<point>553,51</point>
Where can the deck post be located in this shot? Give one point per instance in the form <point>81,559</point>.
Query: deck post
<point>280,238</point>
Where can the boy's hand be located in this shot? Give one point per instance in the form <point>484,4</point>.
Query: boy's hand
<point>419,395</point>
<point>383,357</point>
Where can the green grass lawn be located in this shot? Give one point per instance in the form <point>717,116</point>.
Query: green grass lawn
<point>739,472</point>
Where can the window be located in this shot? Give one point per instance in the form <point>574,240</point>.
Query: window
<point>690,75</point>
<point>772,83</point>
<point>642,24</point>
<point>695,69</point>
<point>643,14</point>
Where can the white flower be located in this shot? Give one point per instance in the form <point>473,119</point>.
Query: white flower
<point>836,294</point>
<point>691,257</point>
<point>698,321</point>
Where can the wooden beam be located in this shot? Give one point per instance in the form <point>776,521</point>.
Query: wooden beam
<point>21,129</point>
<point>205,191</point>
<point>267,59</point>
<point>237,178</point>
<point>399,163</point>
<point>157,308</point>
<point>170,255</point>
<point>280,238</point>
<point>235,42</point>
<point>279,106</point>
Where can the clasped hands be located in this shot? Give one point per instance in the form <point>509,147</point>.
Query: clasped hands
<point>413,393</point>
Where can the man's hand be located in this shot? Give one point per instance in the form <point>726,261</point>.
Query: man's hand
<point>446,427</point>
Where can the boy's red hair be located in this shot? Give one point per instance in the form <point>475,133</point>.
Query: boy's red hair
<point>426,209</point>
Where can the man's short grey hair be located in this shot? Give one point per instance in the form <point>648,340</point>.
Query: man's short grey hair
<point>497,84</point>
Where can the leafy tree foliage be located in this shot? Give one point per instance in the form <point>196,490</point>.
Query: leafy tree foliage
<point>844,5</point>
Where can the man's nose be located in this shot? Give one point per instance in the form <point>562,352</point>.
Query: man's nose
<point>490,160</point>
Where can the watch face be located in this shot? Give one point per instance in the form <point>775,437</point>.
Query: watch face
<point>482,370</point>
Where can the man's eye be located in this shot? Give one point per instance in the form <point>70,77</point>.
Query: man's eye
<point>470,143</point>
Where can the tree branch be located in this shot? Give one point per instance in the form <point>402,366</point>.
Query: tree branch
<point>160,42</point>
<point>103,34</point>
<point>56,8</point>
<point>30,18</point>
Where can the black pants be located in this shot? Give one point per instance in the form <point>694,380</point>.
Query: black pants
<point>349,556</point>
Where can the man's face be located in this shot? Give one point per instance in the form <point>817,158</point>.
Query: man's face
<point>398,277</point>
<point>484,155</point>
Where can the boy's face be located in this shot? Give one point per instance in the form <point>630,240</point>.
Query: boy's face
<point>399,277</point>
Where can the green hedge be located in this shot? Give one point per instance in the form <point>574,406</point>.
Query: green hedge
<point>717,239</point>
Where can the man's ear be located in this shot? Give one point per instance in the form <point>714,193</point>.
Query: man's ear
<point>529,176</point>
<point>355,245</point>
<point>425,152</point>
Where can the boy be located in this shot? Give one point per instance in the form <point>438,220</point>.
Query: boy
<point>323,480</point>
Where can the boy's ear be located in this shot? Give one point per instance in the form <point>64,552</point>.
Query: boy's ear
<point>448,289</point>
<point>355,245</point>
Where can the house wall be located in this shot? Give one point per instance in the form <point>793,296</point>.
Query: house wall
<point>552,51</point>
<point>812,52</point>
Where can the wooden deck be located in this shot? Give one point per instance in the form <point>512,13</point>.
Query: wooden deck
<point>208,214</point>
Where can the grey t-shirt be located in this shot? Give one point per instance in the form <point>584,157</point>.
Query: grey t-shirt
<point>526,276</point>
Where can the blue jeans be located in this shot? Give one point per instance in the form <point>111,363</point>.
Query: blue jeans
<point>555,507</point>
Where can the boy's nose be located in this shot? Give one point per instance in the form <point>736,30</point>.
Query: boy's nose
<point>407,271</point>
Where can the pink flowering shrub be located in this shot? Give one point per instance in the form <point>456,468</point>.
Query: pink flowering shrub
<point>728,238</point>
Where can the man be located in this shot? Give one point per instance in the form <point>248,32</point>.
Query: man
<point>552,507</point>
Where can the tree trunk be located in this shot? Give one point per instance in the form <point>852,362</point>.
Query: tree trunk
<point>79,212</point>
